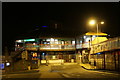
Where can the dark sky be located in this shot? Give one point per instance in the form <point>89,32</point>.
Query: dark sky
<point>22,18</point>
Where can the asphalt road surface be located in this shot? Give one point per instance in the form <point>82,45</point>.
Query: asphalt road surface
<point>63,72</point>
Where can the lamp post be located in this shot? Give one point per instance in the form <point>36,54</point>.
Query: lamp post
<point>97,30</point>
<point>93,22</point>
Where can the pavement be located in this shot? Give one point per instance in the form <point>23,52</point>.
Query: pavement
<point>67,70</point>
<point>48,68</point>
<point>75,71</point>
<point>44,68</point>
<point>19,72</point>
<point>46,72</point>
<point>87,66</point>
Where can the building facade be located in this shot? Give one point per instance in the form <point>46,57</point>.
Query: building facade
<point>92,48</point>
<point>106,55</point>
<point>47,49</point>
<point>84,44</point>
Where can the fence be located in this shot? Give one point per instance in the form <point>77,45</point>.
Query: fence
<point>108,45</point>
<point>49,46</point>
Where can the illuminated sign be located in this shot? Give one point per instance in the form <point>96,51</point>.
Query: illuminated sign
<point>2,66</point>
<point>8,64</point>
<point>34,54</point>
<point>29,40</point>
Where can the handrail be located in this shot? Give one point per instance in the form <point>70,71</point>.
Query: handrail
<point>51,44</point>
<point>108,45</point>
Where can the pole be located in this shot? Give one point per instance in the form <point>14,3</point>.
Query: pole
<point>97,33</point>
<point>55,26</point>
<point>97,30</point>
<point>89,52</point>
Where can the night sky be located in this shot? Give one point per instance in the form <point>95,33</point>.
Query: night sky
<point>26,18</point>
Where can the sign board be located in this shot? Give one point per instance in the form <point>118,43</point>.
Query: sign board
<point>26,40</point>
<point>34,54</point>
<point>2,66</point>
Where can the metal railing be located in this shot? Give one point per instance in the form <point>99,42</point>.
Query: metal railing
<point>50,46</point>
<point>108,45</point>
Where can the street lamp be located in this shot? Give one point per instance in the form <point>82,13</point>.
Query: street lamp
<point>102,22</point>
<point>93,22</point>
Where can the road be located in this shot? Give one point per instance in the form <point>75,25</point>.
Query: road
<point>62,72</point>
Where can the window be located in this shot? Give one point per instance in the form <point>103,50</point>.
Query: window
<point>47,39</point>
<point>73,42</point>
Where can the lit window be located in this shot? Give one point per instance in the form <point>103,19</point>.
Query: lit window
<point>56,39</point>
<point>33,43</point>
<point>84,37</point>
<point>52,39</point>
<point>73,42</point>
<point>47,39</point>
<point>62,42</point>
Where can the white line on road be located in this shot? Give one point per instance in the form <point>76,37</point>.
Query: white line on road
<point>66,76</point>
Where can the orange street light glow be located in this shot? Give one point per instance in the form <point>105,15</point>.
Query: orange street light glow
<point>92,22</point>
<point>102,22</point>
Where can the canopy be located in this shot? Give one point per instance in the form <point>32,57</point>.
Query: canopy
<point>93,33</point>
<point>99,39</point>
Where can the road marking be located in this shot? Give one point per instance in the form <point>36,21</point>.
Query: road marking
<point>65,75</point>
